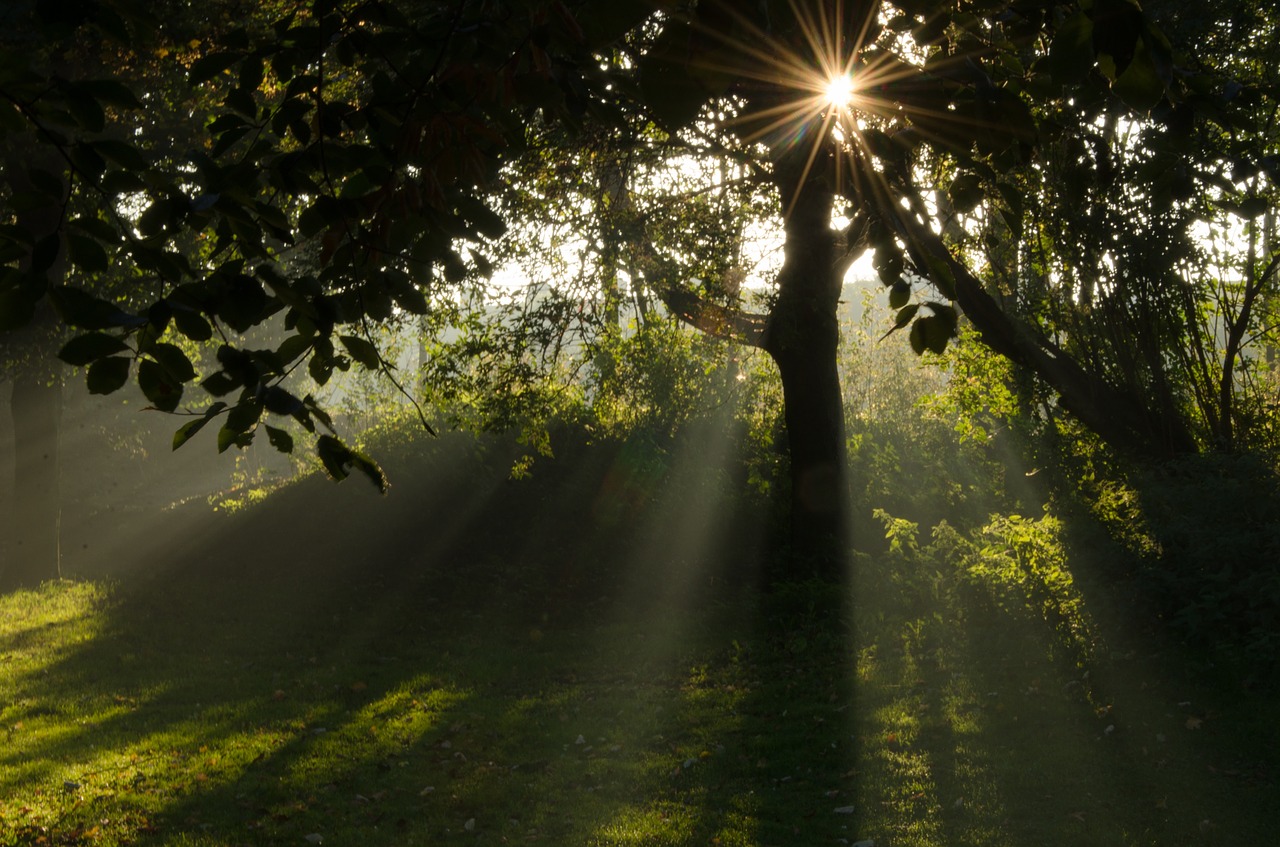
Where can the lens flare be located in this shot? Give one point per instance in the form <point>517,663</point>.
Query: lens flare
<point>839,91</point>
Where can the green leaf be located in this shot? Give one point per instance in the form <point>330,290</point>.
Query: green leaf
<point>933,332</point>
<point>917,336</point>
<point>362,351</point>
<point>903,318</point>
<point>241,100</point>
<point>108,375</point>
<point>293,347</point>
<point>158,216</point>
<point>184,433</point>
<point>45,252</point>
<point>942,276</point>
<point>240,422</point>
<point>409,298</point>
<point>174,361</point>
<point>244,416</point>
<point>228,437</point>
<point>1071,53</point>
<point>320,368</point>
<point>335,456</point>
<point>251,74</point>
<point>672,92</point>
<point>1250,207</point>
<point>87,254</point>
<point>87,161</point>
<point>220,384</point>
<point>121,153</point>
<point>371,470</point>
<point>339,460</point>
<point>87,348</point>
<point>86,110</point>
<point>207,67</point>
<point>122,182</point>
<point>1140,86</point>
<point>158,386</point>
<point>192,324</point>
<point>280,402</point>
<point>899,294</point>
<point>966,192</point>
<point>279,439</point>
<point>112,92</point>
<point>81,309</point>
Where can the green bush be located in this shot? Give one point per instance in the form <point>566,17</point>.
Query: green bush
<point>1214,566</point>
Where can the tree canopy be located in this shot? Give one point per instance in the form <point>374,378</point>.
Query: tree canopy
<point>1045,169</point>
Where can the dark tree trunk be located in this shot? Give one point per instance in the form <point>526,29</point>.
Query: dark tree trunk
<point>34,548</point>
<point>802,336</point>
<point>36,403</point>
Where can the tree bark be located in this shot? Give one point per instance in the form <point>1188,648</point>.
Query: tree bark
<point>36,512</point>
<point>802,336</point>
<point>34,553</point>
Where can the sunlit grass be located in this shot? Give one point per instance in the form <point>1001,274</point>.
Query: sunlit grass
<point>602,691</point>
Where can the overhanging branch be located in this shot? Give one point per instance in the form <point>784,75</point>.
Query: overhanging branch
<point>714,319</point>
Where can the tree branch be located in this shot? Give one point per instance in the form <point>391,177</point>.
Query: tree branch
<point>713,318</point>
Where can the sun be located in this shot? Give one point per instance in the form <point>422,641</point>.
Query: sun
<point>839,92</point>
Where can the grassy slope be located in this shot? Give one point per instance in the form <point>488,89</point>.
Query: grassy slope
<point>446,666</point>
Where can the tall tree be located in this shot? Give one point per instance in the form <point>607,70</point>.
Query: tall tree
<point>350,171</point>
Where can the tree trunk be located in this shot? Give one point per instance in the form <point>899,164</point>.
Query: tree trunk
<point>36,403</point>
<point>34,549</point>
<point>802,336</point>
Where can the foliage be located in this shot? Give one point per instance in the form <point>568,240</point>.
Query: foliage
<point>1044,168</point>
<point>1191,541</point>
<point>305,167</point>
<point>1198,541</point>
<point>1012,564</point>
<point>906,455</point>
<point>658,377</point>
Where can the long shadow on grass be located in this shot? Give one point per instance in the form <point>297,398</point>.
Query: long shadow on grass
<point>573,661</point>
<point>985,725</point>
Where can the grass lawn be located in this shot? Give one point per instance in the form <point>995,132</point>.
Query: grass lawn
<point>339,670</point>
